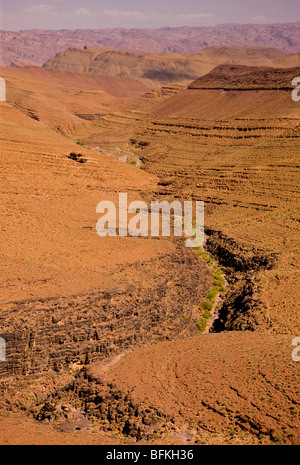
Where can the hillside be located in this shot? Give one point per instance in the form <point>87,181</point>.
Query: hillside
<point>158,69</point>
<point>74,97</point>
<point>119,87</point>
<point>247,78</point>
<point>141,340</point>
<point>237,150</point>
<point>59,242</point>
<point>216,389</point>
<point>288,61</point>
<point>40,45</point>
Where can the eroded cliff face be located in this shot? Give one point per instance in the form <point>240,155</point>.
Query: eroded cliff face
<point>243,307</point>
<point>52,333</point>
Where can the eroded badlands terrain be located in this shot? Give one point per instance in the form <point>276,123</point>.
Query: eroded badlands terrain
<point>103,336</point>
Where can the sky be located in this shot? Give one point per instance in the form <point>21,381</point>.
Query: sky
<point>93,14</point>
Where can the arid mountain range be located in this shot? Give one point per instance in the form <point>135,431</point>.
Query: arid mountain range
<point>38,46</point>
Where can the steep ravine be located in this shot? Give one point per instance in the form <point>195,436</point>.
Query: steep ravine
<point>242,307</point>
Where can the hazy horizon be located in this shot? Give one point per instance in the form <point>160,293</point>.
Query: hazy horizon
<point>140,27</point>
<point>91,14</point>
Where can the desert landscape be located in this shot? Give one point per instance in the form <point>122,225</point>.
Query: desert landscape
<point>142,340</point>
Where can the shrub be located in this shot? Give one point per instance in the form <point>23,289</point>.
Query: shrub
<point>206,314</point>
<point>201,325</point>
<point>218,282</point>
<point>77,157</point>
<point>207,305</point>
<point>143,143</point>
<point>212,294</point>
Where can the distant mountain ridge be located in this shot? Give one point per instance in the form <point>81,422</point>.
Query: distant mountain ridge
<point>38,46</point>
<point>157,69</point>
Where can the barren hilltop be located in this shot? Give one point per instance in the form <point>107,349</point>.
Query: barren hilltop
<point>246,78</point>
